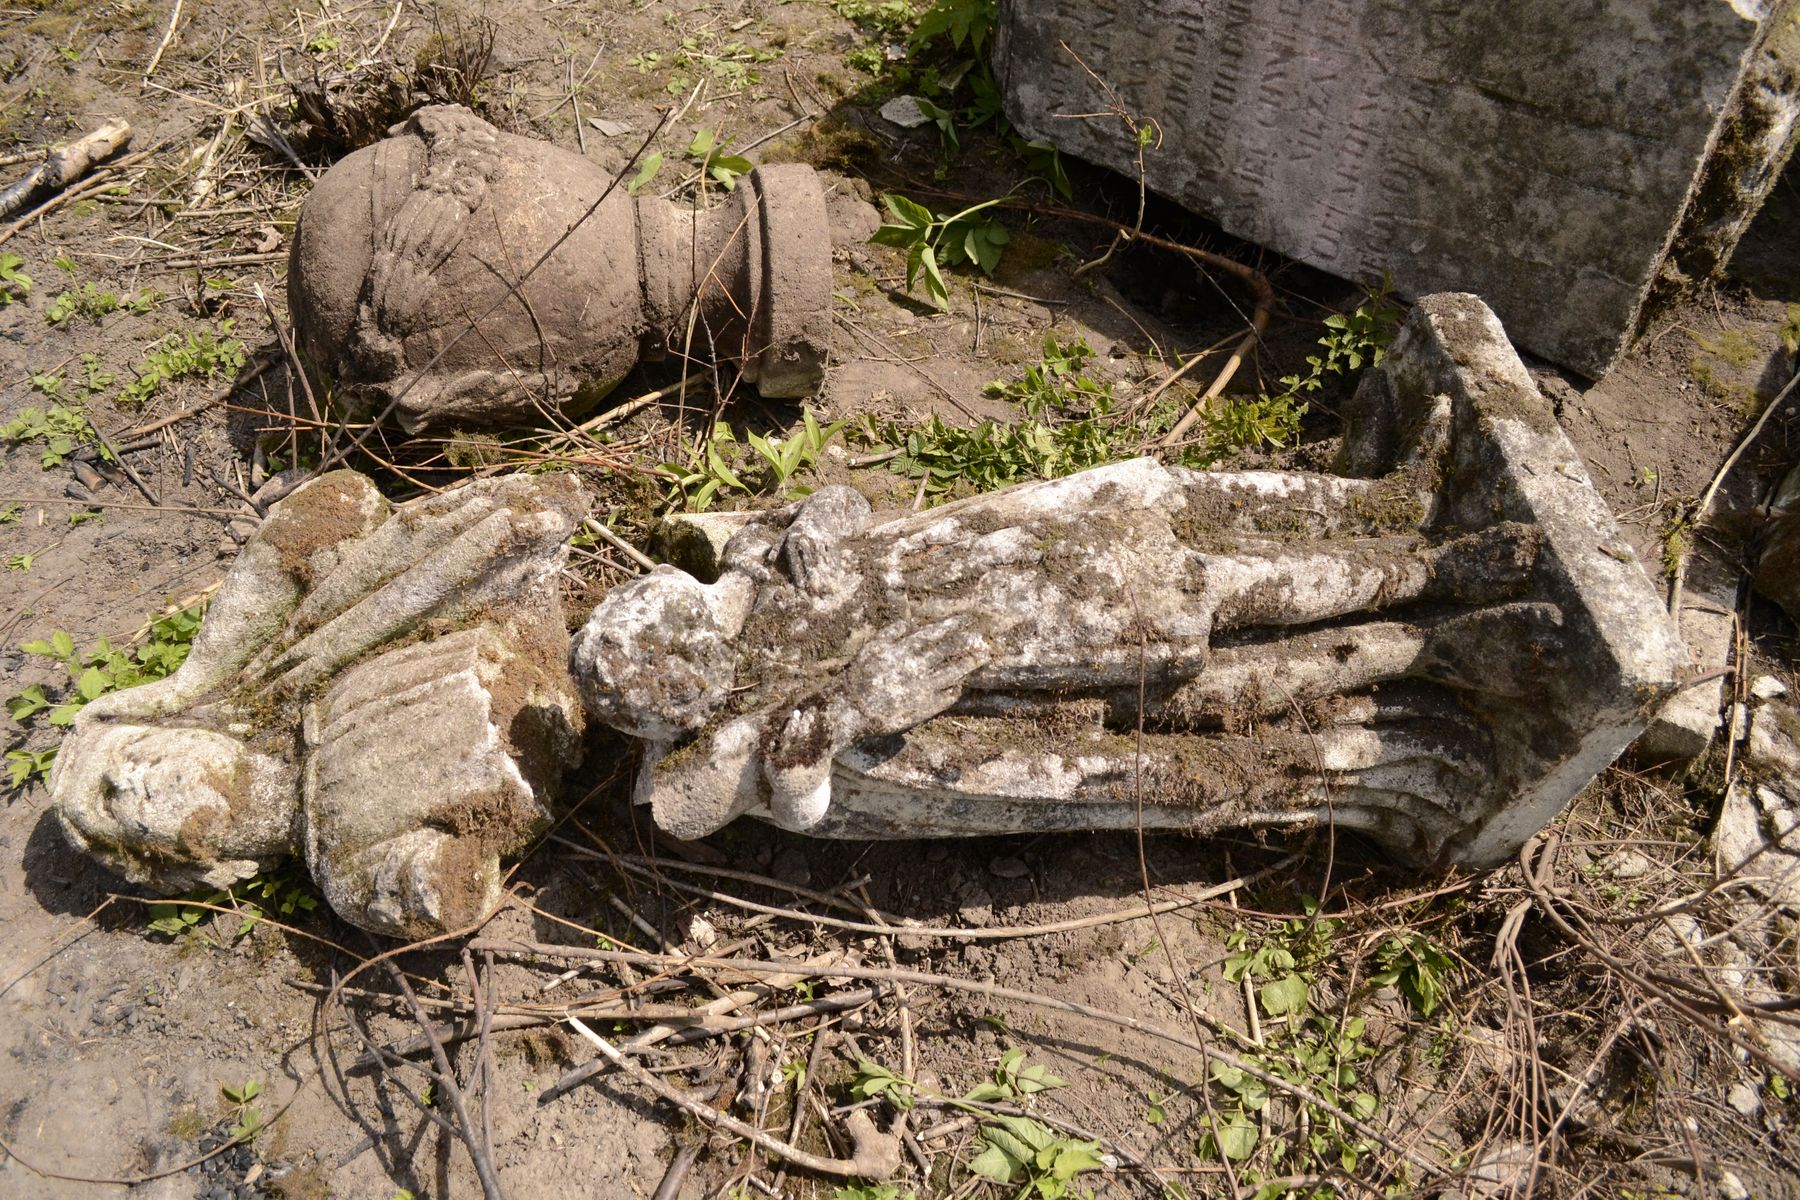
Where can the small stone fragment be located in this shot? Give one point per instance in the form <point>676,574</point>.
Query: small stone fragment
<point>1744,1099</point>
<point>1767,687</point>
<point>1625,864</point>
<point>1008,867</point>
<point>905,112</point>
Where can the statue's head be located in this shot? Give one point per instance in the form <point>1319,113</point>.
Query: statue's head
<point>655,660</point>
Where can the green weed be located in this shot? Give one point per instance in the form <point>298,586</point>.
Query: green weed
<point>770,463</point>
<point>94,673</point>
<point>282,892</point>
<point>1417,966</point>
<point>203,354</point>
<point>1016,1151</point>
<point>1067,428</point>
<point>707,152</point>
<point>1352,341</point>
<point>58,429</point>
<point>14,283</point>
<point>1319,1055</point>
<point>878,18</point>
<point>246,1119</point>
<point>932,242</point>
<point>873,1191</point>
<point>94,303</point>
<point>1282,961</point>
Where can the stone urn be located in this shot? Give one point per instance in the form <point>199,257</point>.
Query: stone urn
<point>404,247</point>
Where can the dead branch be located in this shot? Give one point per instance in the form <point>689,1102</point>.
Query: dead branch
<point>988,990</point>
<point>875,1155</point>
<point>66,165</point>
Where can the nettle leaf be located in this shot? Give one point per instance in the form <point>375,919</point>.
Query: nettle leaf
<point>28,702</point>
<point>1234,1138</point>
<point>646,173</point>
<point>906,212</point>
<point>65,714</point>
<point>1280,997</point>
<point>994,1163</point>
<point>93,684</point>
<point>934,279</point>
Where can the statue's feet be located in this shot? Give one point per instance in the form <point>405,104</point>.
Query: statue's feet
<point>174,808</point>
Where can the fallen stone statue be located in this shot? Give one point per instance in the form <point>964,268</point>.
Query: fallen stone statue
<point>403,245</point>
<point>1439,646</point>
<point>380,688</point>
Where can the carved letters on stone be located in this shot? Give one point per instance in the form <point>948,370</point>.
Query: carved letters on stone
<point>1551,157</point>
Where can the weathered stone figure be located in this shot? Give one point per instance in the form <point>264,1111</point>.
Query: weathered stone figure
<point>404,244</point>
<point>1440,655</point>
<point>382,689</point>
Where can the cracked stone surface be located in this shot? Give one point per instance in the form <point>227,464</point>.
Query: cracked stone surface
<point>1571,163</point>
<point>379,688</point>
<point>1439,646</point>
<point>404,243</point>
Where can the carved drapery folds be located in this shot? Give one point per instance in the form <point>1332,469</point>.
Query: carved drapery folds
<point>1438,646</point>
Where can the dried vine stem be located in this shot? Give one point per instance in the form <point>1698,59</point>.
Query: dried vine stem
<point>1255,280</point>
<point>876,1155</point>
<point>989,990</point>
<point>897,927</point>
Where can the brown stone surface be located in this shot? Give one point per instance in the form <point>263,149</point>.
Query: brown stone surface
<point>402,245</point>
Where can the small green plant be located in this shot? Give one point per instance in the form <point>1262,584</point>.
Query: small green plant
<point>771,463</point>
<point>932,242</point>
<point>1016,1150</point>
<point>11,514</point>
<point>731,64</point>
<point>280,892</point>
<point>1352,341</point>
<point>1318,1055</point>
<point>203,354</point>
<point>22,562</point>
<point>646,172</point>
<point>14,284</point>
<point>24,765</point>
<point>94,303</point>
<point>966,24</point>
<point>59,428</point>
<point>245,1117</point>
<point>1057,383</point>
<point>93,674</point>
<point>873,1191</point>
<point>879,18</point>
<point>322,44</point>
<point>1417,966</point>
<point>1282,961</point>
<point>708,153</point>
<point>1068,427</point>
<point>1045,1162</point>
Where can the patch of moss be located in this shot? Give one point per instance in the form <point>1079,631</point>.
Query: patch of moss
<point>831,145</point>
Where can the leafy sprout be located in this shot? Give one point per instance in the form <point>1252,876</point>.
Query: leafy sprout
<point>933,242</point>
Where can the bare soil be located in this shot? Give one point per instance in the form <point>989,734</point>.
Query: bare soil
<point>117,1043</point>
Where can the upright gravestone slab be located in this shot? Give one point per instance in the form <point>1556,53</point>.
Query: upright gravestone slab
<point>1554,158</point>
